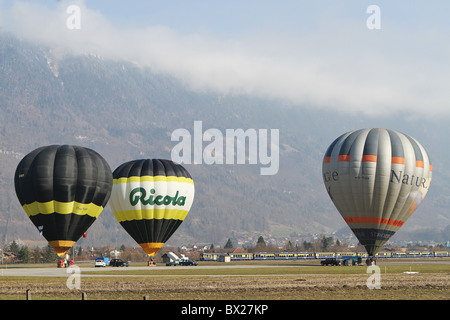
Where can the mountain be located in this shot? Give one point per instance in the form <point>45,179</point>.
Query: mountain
<point>125,112</point>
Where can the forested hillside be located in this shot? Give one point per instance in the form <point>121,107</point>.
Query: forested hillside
<point>126,112</point>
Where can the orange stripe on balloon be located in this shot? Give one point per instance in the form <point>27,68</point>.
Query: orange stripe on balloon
<point>391,222</point>
<point>327,159</point>
<point>369,158</point>
<point>412,207</point>
<point>344,157</point>
<point>419,164</point>
<point>399,160</point>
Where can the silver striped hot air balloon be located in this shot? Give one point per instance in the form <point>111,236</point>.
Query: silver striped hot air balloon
<point>376,178</point>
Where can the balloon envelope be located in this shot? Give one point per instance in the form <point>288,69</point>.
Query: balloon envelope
<point>63,189</point>
<point>151,198</point>
<point>376,178</point>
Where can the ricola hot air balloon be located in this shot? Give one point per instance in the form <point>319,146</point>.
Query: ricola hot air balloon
<point>151,198</point>
<point>376,178</point>
<point>63,189</point>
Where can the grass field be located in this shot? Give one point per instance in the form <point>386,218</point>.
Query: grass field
<point>258,281</point>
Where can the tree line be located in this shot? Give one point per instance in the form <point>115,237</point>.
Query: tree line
<point>22,254</point>
<point>15,253</point>
<point>321,244</point>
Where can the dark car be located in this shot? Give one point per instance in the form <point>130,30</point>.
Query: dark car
<point>188,263</point>
<point>330,261</point>
<point>118,263</point>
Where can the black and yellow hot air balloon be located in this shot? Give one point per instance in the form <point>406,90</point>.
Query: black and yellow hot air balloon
<point>63,189</point>
<point>376,178</point>
<point>151,198</point>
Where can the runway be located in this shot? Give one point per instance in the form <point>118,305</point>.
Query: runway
<point>64,272</point>
<point>15,271</point>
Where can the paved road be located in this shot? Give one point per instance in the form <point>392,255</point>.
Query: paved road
<point>61,272</point>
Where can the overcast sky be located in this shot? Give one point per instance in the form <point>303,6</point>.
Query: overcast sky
<point>320,54</point>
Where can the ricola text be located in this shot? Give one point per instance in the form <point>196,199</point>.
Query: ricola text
<point>139,194</point>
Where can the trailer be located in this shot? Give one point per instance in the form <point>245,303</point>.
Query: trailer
<point>101,262</point>
<point>351,260</point>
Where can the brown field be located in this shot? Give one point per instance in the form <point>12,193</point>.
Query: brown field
<point>285,283</point>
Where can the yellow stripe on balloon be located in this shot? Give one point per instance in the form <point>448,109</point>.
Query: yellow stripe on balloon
<point>152,179</point>
<point>149,214</point>
<point>53,206</point>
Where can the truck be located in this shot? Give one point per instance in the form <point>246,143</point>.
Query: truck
<point>174,260</point>
<point>351,260</point>
<point>101,262</point>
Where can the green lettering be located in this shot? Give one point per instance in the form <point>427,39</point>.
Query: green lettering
<point>167,200</point>
<point>174,199</point>
<point>135,199</point>
<point>139,194</point>
<point>181,201</point>
<point>150,199</point>
<point>158,200</point>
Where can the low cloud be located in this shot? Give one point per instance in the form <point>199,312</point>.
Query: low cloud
<point>348,68</point>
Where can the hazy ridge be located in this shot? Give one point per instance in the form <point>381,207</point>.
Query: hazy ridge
<point>126,112</point>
